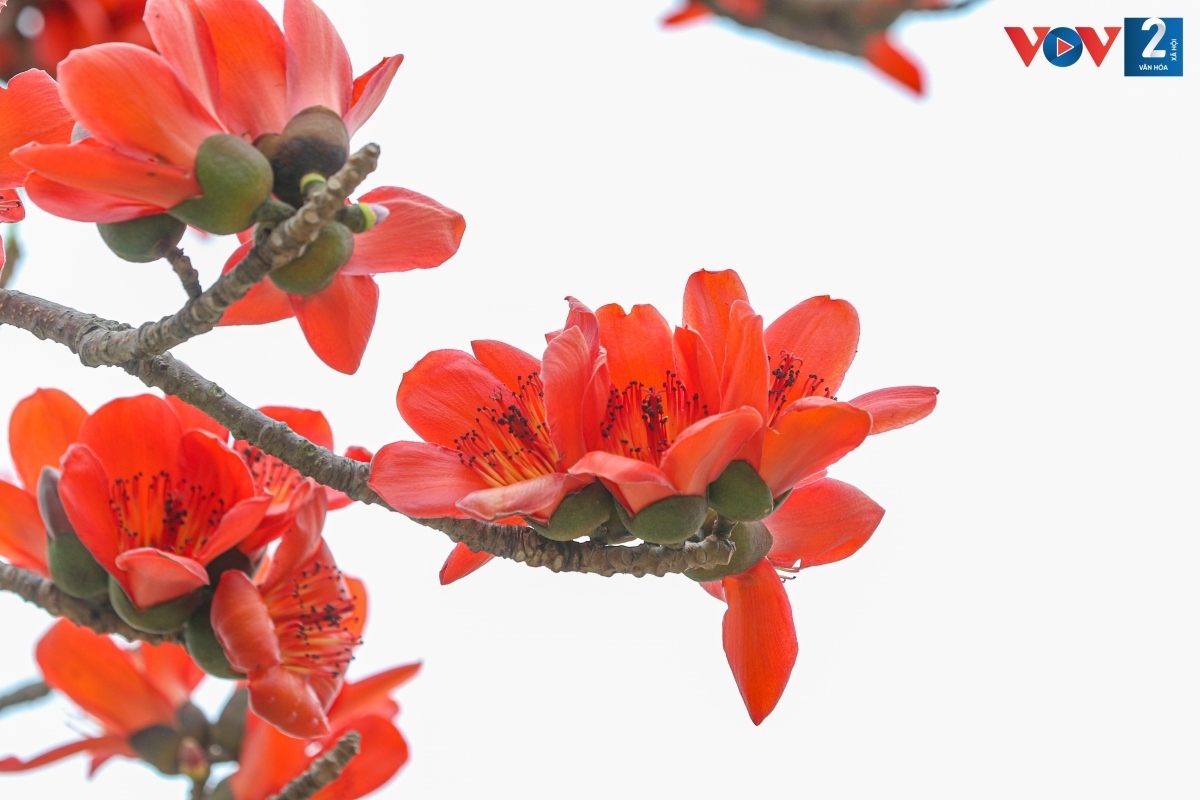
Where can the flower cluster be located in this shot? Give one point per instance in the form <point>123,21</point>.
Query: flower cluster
<point>628,429</point>
<point>231,117</point>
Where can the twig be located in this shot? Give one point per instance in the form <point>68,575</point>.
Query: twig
<point>117,344</point>
<point>48,320</point>
<point>25,694</point>
<point>324,771</point>
<point>45,595</point>
<point>187,274</point>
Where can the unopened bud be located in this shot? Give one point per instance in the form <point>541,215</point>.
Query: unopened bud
<point>313,141</point>
<point>163,618</point>
<point>578,514</point>
<point>159,746</point>
<point>201,642</point>
<point>669,521</point>
<point>751,540</point>
<point>740,494</point>
<point>235,178</point>
<point>144,239</point>
<point>316,269</point>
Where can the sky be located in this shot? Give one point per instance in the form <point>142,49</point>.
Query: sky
<point>1024,238</point>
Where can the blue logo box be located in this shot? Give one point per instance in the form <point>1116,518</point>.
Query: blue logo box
<point>1153,46</point>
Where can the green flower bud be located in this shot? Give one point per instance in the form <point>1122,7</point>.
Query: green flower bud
<point>72,567</point>
<point>740,494</point>
<point>144,239</point>
<point>231,725</point>
<point>193,722</point>
<point>201,642</point>
<point>313,141</point>
<point>751,540</point>
<point>579,514</point>
<point>223,790</point>
<point>669,521</point>
<point>159,747</point>
<point>162,618</point>
<point>316,269</point>
<point>235,178</point>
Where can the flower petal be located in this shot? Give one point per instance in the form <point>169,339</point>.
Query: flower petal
<point>635,484</point>
<point>369,91</point>
<point>714,588</point>
<point>96,743</point>
<point>759,637</point>
<point>156,447</point>
<point>299,544</point>
<point>439,395</point>
<point>696,368</point>
<point>418,233</point>
<point>537,497</point>
<point>461,562</point>
<point>171,670</point>
<point>318,66</point>
<point>423,480</point>
<point>130,98</point>
<point>383,752</point>
<point>337,321</point>
<point>638,345</point>
<point>101,678</point>
<point>30,111</point>
<point>81,205</point>
<point>566,371</point>
<point>803,443</point>
<point>707,299</point>
<point>821,522</point>
<point>40,429</point>
<point>287,701</point>
<point>22,532</point>
<point>181,35</point>
<point>191,417</point>
<point>251,66</point>
<point>93,167</point>
<point>883,55</point>
<point>312,425</point>
<point>152,576</point>
<point>84,491</point>
<point>367,695</point>
<point>896,407</point>
<point>823,334</point>
<point>511,365</point>
<point>745,376</point>
<point>692,11</point>
<point>242,624</point>
<point>702,452</point>
<point>265,302</point>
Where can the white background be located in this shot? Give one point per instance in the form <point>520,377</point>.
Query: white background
<point>1024,621</point>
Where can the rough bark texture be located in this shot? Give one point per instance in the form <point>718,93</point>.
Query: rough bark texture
<point>25,694</point>
<point>100,618</point>
<point>324,771</point>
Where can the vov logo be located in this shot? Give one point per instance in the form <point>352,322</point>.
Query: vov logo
<point>1062,47</point>
<point>1153,45</point>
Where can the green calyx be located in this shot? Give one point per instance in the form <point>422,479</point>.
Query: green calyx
<point>201,642</point>
<point>235,178</point>
<point>359,217</point>
<point>751,540</point>
<point>144,239</point>
<point>669,521</point>
<point>72,566</point>
<point>579,514</point>
<point>159,747</point>
<point>740,494</point>
<point>315,141</point>
<point>230,728</point>
<point>163,618</point>
<point>316,269</point>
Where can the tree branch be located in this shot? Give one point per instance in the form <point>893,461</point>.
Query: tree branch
<point>48,320</point>
<point>113,344</point>
<point>324,771</point>
<point>25,694</point>
<point>186,272</point>
<point>100,618</point>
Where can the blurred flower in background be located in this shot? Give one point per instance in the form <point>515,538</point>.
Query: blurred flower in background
<point>37,34</point>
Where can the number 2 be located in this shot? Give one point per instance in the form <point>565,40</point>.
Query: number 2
<point>1150,51</point>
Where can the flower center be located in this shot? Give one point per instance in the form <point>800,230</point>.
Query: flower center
<point>643,421</point>
<point>311,610</point>
<point>271,475</point>
<point>511,441</point>
<point>788,383</point>
<point>165,513</point>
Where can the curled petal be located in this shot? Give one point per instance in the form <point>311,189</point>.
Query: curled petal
<point>511,365</point>
<point>151,576</point>
<point>885,57</point>
<point>93,167</point>
<point>287,701</point>
<point>822,333</point>
<point>242,624</point>
<point>461,562</point>
<point>30,111</point>
<point>318,66</point>
<point>92,745</point>
<point>41,428</point>
<point>821,522</point>
<point>369,91</point>
<point>251,66</point>
<point>84,491</point>
<point>538,497</point>
<point>443,374</point>
<point>370,694</point>
<point>746,371</point>
<point>82,205</point>
<point>803,443</point>
<point>896,407</point>
<point>181,35</point>
<point>419,233</point>
<point>759,637</point>
<point>566,370</point>
<point>704,450</point>
<point>707,299</point>
<point>423,480</point>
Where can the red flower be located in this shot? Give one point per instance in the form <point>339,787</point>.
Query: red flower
<point>654,423</point>
<point>40,430</point>
<point>225,67</point>
<point>270,760</point>
<point>857,27</point>
<point>155,509</point>
<point>418,233</point>
<point>45,31</point>
<point>30,111</point>
<point>123,690</point>
<point>293,633</point>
